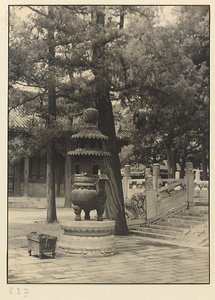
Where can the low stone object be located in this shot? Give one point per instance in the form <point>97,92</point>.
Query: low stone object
<point>88,238</point>
<point>41,243</point>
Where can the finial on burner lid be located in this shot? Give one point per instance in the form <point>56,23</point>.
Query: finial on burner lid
<point>91,115</point>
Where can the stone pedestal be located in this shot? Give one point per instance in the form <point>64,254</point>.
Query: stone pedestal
<point>88,238</point>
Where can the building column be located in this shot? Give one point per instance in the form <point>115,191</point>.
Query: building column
<point>17,180</point>
<point>26,176</point>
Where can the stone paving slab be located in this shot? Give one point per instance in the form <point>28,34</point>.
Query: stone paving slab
<point>138,259</point>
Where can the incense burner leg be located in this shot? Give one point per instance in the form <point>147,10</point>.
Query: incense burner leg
<point>77,210</point>
<point>100,211</point>
<point>87,215</point>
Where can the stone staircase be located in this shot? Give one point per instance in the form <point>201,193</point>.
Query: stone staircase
<point>21,203</point>
<point>174,225</point>
<point>32,202</point>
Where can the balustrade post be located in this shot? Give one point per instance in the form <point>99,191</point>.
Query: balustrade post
<point>190,184</point>
<point>151,195</point>
<point>177,175</point>
<point>126,177</point>
<point>197,175</point>
<point>156,171</point>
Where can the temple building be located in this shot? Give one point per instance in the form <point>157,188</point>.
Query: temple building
<point>28,176</point>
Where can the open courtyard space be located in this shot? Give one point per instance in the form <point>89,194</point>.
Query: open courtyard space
<point>137,259</point>
<point>108,151</point>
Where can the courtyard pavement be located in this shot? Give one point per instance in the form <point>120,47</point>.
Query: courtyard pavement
<point>138,259</point>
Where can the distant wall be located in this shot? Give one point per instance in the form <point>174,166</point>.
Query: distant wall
<point>39,189</point>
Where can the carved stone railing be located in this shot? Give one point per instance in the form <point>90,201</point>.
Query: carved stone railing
<point>162,195</point>
<point>131,186</point>
<point>166,195</point>
<point>200,186</point>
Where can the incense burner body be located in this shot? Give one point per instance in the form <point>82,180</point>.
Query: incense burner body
<point>89,194</point>
<point>88,181</point>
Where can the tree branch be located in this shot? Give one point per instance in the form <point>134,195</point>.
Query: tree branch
<point>37,11</point>
<point>28,85</point>
<point>25,101</point>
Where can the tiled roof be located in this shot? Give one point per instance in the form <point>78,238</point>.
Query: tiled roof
<point>18,121</point>
<point>88,152</point>
<point>90,133</point>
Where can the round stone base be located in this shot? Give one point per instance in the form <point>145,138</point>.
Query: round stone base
<point>87,238</point>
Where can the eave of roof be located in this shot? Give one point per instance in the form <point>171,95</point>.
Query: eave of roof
<point>79,152</point>
<point>89,133</point>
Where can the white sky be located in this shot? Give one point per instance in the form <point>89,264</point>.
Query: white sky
<point>165,17</point>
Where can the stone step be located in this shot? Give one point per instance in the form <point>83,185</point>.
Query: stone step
<point>199,218</point>
<point>169,227</point>
<point>178,220</point>
<point>171,224</point>
<point>164,227</point>
<point>201,203</point>
<point>152,235</point>
<point>193,215</point>
<point>195,210</point>
<point>201,198</point>
<point>200,210</point>
<point>21,205</point>
<point>158,231</point>
<point>133,224</point>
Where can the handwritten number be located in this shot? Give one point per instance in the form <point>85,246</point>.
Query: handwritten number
<point>18,291</point>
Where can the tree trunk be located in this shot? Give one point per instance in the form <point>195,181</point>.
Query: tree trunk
<point>67,202</point>
<point>115,202</point>
<point>183,164</point>
<point>122,16</point>
<point>50,178</point>
<point>50,184</point>
<point>171,160</point>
